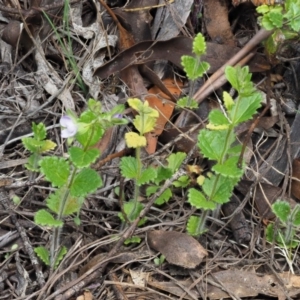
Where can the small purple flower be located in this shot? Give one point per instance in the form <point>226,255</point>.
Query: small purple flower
<point>69,127</point>
<point>118,116</point>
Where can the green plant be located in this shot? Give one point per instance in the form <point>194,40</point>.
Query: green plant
<point>284,20</point>
<point>158,261</point>
<point>289,219</point>
<point>218,143</point>
<point>194,68</point>
<point>133,168</point>
<point>72,177</point>
<point>67,47</point>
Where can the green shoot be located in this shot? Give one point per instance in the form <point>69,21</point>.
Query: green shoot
<point>67,49</point>
<point>289,219</point>
<point>218,143</point>
<point>284,20</point>
<point>73,178</point>
<point>194,68</point>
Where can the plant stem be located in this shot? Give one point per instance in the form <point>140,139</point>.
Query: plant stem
<point>136,185</point>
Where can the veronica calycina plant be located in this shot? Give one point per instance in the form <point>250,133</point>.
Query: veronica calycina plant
<point>194,68</point>
<point>72,177</point>
<point>289,219</point>
<point>284,20</point>
<point>218,143</point>
<point>133,167</point>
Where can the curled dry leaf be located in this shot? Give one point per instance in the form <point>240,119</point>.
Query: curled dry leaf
<point>179,248</point>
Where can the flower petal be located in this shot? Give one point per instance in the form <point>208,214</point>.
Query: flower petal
<point>69,127</point>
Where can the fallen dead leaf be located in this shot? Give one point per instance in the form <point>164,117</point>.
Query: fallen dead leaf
<point>217,23</point>
<point>179,248</point>
<point>139,278</point>
<point>172,50</point>
<point>163,104</point>
<point>87,295</point>
<point>296,180</point>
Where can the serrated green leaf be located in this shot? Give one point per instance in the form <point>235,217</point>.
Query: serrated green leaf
<point>46,146</point>
<point>164,197</point>
<point>135,140</point>
<point>266,23</point>
<point>32,162</point>
<point>150,190</point>
<point>43,254</point>
<point>229,168</point>
<point>198,200</point>
<point>216,117</point>
<point>81,158</point>
<point>133,240</point>
<point>73,204</point>
<point>282,210</point>
<point>94,106</point>
<point>31,144</point>
<point>270,232</point>
<point>85,182</point>
<point>211,143</point>
<point>147,119</point>
<point>262,9</point>
<point>240,79</point>
<point>55,169</point>
<point>162,173</point>
<point>132,210</point>
<point>146,176</point>
<point>199,44</point>
<point>292,16</point>
<point>193,67</point>
<point>183,181</point>
<point>39,131</point>
<point>245,108</point>
<point>135,103</point>
<point>175,160</point>
<point>129,167</point>
<point>144,123</point>
<point>44,218</point>
<point>91,135</point>
<point>187,102</point>
<point>276,18</point>
<point>194,226</point>
<point>60,255</point>
<point>219,188</point>
<point>87,117</point>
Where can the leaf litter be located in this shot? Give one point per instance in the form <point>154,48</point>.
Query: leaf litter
<point>140,58</point>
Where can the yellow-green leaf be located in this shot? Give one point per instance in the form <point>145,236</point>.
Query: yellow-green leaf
<point>134,140</point>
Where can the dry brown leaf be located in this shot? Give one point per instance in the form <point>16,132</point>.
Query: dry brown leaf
<point>179,248</point>
<point>163,104</point>
<point>87,295</point>
<point>296,181</point>
<point>217,23</point>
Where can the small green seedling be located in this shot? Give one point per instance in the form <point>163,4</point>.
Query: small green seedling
<point>284,20</point>
<point>72,177</point>
<point>158,261</point>
<point>194,68</point>
<point>289,220</point>
<point>218,143</point>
